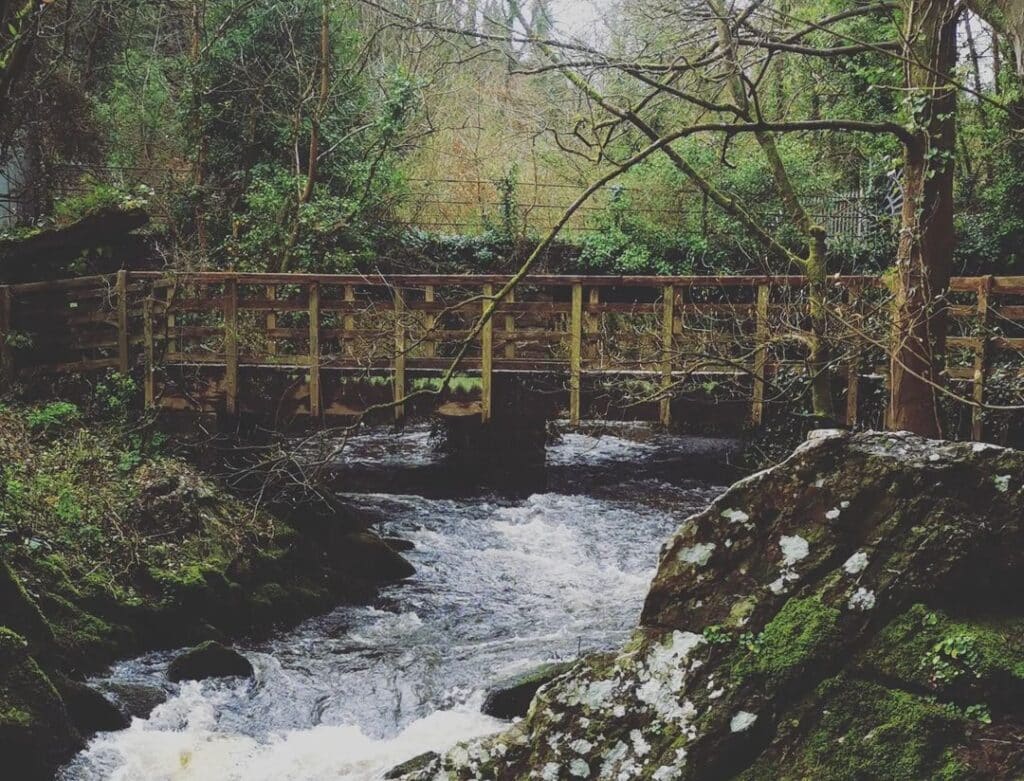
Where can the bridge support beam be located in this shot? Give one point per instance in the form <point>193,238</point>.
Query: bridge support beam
<point>314,351</point>
<point>6,352</point>
<point>760,354</point>
<point>981,350</point>
<point>121,290</point>
<point>667,331</point>
<point>487,358</point>
<point>575,352</point>
<point>231,346</point>
<point>149,391</point>
<point>400,351</point>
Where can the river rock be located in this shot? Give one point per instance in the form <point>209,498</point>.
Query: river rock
<point>89,710</point>
<point>208,660</point>
<point>20,613</point>
<point>399,544</point>
<point>511,698</point>
<point>365,556</point>
<point>852,613</point>
<point>136,699</point>
<point>416,763</point>
<point>36,733</point>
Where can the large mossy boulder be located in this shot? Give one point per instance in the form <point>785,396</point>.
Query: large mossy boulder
<point>36,733</point>
<point>209,660</point>
<point>852,613</point>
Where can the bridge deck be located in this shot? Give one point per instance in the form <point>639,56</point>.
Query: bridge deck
<point>665,330</point>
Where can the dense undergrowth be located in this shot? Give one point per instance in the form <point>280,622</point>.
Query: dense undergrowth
<point>110,546</point>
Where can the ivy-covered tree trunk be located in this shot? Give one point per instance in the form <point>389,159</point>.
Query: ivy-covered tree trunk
<point>924,257</point>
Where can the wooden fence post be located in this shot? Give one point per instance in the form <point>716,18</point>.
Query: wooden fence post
<point>487,357</point>
<point>429,321</point>
<point>400,348</point>
<point>314,350</point>
<point>6,352</point>
<point>231,346</point>
<point>271,320</point>
<point>510,327</point>
<point>667,330</point>
<point>121,288</point>
<point>172,322</point>
<point>575,353</point>
<point>349,322</point>
<point>591,323</point>
<point>760,354</point>
<point>981,360</point>
<point>853,366</point>
<point>149,393</point>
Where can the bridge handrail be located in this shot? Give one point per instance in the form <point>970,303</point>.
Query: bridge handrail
<point>65,325</point>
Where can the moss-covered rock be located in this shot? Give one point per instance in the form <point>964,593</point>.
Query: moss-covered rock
<point>20,613</point>
<point>112,548</point>
<point>88,709</point>
<point>36,734</point>
<point>783,636</point>
<point>850,730</point>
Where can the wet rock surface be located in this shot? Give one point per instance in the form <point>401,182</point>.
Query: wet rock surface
<point>208,660</point>
<point>848,614</point>
<point>510,698</point>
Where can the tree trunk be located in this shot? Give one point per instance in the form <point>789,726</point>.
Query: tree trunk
<point>924,257</point>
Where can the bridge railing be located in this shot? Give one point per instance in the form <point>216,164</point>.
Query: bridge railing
<point>658,330</point>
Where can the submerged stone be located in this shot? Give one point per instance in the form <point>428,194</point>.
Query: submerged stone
<point>209,660</point>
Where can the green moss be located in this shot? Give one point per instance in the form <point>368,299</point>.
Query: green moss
<point>81,636</point>
<point>740,612</point>
<point>27,696</point>
<point>12,646</point>
<point>19,611</point>
<point>858,731</point>
<point>928,649</point>
<point>802,634</point>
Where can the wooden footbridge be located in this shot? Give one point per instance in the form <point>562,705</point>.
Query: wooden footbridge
<point>199,340</point>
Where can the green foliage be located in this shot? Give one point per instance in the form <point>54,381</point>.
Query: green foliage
<point>52,416</point>
<point>507,225</point>
<point>459,384</point>
<point>628,243</point>
<point>717,635</point>
<point>928,649</point>
<point>98,196</point>
<point>114,395</point>
<point>978,712</point>
<point>952,656</point>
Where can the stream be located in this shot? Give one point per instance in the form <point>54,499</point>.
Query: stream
<point>501,586</point>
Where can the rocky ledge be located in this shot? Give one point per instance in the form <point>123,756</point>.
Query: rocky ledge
<point>849,614</point>
<point>108,550</point>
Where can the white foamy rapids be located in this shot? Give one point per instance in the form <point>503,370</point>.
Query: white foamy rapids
<point>500,587</point>
<point>574,449</point>
<point>197,752</point>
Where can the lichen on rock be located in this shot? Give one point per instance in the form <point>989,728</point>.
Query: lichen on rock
<point>892,648</point>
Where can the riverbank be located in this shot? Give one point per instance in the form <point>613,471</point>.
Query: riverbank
<point>109,548</point>
<point>502,584</point>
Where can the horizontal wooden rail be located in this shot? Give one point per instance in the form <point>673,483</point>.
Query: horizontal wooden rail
<point>315,328</point>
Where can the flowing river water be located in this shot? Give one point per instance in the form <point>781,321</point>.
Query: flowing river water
<point>501,586</point>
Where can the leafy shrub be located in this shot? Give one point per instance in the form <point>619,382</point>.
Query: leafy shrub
<point>54,415</point>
